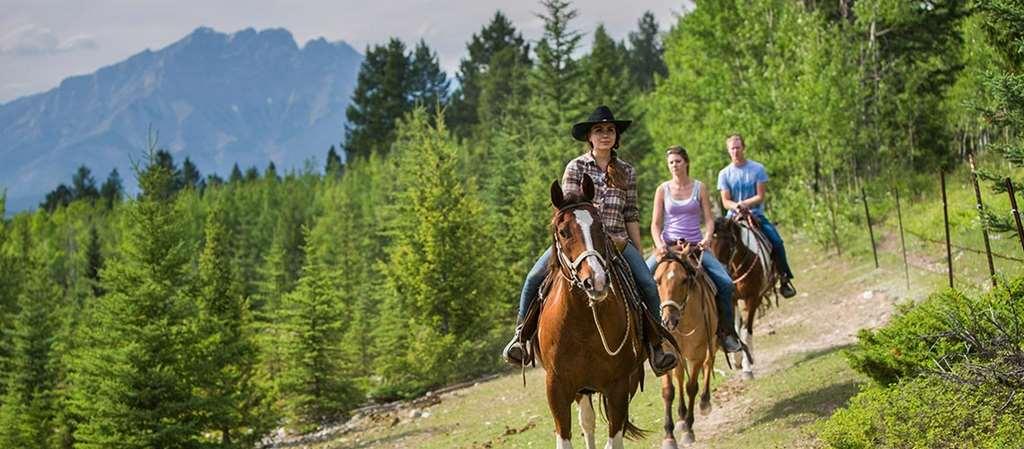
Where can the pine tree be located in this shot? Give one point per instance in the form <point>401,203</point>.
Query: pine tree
<point>429,84</point>
<point>112,189</point>
<point>59,197</point>
<point>235,409</point>
<point>190,175</point>
<point>313,384</point>
<point>236,174</point>
<point>437,278</point>
<point>133,373</point>
<point>252,174</point>
<point>498,36</point>
<point>556,74</point>
<point>164,159</point>
<point>334,167</point>
<point>381,96</point>
<point>29,406</point>
<point>271,172</point>
<point>1002,19</point>
<point>83,185</point>
<point>645,53</point>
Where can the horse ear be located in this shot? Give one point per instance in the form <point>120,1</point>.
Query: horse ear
<point>588,188</point>
<point>557,198</point>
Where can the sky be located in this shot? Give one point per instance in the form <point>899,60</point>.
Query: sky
<point>44,41</point>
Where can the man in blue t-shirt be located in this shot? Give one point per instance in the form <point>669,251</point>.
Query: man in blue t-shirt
<point>742,184</point>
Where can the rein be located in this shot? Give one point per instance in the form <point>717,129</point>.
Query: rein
<point>572,266</point>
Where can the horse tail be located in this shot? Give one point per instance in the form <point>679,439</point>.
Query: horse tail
<point>632,432</point>
<point>629,430</point>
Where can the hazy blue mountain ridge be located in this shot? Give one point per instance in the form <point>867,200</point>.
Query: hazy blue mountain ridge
<point>248,97</point>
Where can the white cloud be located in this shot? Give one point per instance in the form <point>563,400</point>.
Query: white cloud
<point>31,40</point>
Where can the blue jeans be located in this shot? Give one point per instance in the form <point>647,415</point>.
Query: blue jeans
<point>641,275</point>
<point>722,281</point>
<point>777,246</point>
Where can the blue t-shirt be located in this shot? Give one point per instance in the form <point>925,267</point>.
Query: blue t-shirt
<point>741,182</point>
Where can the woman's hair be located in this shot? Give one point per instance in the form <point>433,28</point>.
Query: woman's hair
<point>615,174</point>
<point>681,152</point>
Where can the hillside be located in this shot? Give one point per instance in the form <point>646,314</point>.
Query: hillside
<point>801,376</point>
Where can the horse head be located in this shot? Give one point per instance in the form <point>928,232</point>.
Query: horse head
<point>725,239</point>
<point>581,246</point>
<point>674,275</point>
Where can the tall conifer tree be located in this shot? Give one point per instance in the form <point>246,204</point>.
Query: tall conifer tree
<point>133,373</point>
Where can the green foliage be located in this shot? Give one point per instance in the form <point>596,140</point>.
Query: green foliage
<point>490,77</point>
<point>949,372</point>
<point>556,75</point>
<point>131,384</point>
<point>313,383</point>
<point>645,53</point>
<point>437,273</point>
<point>30,404</point>
<point>235,411</point>
<point>925,413</point>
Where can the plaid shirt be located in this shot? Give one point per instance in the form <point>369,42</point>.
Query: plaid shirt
<point>616,206</point>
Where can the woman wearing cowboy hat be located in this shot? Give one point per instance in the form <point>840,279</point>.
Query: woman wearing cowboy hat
<point>615,182</point>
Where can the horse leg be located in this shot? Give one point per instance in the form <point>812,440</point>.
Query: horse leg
<point>692,372</point>
<point>667,394</point>
<point>747,337</point>
<point>560,404</point>
<point>587,419</point>
<point>738,321</point>
<point>680,374</point>
<point>616,402</point>
<point>705,396</point>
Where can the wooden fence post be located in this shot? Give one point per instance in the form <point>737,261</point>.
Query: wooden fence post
<point>871,231</point>
<point>903,240</point>
<point>945,218</point>
<point>1016,211</point>
<point>984,223</point>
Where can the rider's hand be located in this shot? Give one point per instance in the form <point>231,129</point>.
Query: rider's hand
<point>704,243</point>
<point>660,251</point>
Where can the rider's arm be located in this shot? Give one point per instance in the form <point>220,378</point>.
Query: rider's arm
<point>709,218</point>
<point>727,201</point>
<point>756,199</point>
<point>633,230</point>
<point>657,218</point>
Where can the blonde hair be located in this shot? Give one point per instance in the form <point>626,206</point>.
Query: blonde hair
<point>735,136</point>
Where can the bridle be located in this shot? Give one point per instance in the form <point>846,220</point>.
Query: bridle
<point>691,279</point>
<point>573,266</point>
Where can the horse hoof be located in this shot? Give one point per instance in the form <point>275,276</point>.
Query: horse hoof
<point>748,375</point>
<point>705,408</point>
<point>688,438</point>
<point>669,443</point>
<point>681,428</point>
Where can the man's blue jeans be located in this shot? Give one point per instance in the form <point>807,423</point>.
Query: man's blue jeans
<point>722,281</point>
<point>780,248</point>
<point>641,275</point>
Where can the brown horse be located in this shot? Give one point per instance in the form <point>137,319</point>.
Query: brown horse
<point>739,243</point>
<point>689,300</point>
<point>587,339</point>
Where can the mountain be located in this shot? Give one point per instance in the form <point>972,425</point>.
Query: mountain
<point>249,97</point>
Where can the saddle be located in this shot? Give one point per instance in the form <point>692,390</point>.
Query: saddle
<point>752,224</point>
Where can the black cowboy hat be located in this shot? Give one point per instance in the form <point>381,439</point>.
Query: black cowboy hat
<point>600,115</point>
